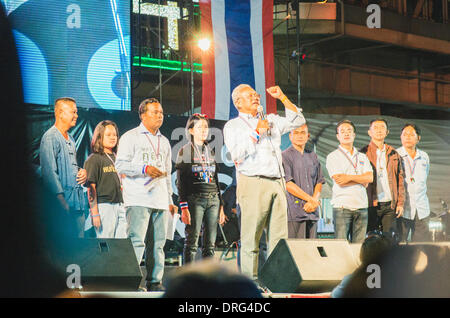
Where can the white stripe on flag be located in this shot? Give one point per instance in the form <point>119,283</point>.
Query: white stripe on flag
<point>222,68</point>
<point>258,49</point>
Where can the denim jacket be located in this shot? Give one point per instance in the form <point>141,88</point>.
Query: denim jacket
<point>59,168</point>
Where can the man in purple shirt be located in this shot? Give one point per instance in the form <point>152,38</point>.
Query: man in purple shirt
<point>304,181</point>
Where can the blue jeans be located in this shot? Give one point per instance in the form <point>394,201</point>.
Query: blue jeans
<point>147,231</point>
<point>348,222</point>
<point>113,221</point>
<point>204,210</point>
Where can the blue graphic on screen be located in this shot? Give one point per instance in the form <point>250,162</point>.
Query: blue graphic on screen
<point>34,70</point>
<point>75,48</point>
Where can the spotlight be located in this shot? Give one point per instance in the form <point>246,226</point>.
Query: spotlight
<point>204,44</point>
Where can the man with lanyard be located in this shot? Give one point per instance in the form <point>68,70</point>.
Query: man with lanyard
<point>351,173</point>
<point>387,193</point>
<point>416,165</point>
<point>60,171</point>
<point>254,144</point>
<point>144,156</point>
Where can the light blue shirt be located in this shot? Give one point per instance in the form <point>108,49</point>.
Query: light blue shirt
<point>59,168</point>
<point>137,148</point>
<point>415,183</point>
<point>256,155</point>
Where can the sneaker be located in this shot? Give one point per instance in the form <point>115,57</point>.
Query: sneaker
<point>142,289</point>
<point>155,287</point>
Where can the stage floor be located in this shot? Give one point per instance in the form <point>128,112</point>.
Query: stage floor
<point>160,294</point>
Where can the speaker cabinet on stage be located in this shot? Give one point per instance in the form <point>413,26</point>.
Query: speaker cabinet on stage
<point>307,266</point>
<point>105,264</point>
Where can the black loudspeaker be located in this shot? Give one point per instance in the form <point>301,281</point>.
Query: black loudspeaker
<point>307,266</point>
<point>104,264</point>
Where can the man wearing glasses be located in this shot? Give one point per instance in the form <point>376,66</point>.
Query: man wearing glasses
<point>254,144</point>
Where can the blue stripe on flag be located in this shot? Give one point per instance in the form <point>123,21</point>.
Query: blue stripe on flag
<point>240,56</point>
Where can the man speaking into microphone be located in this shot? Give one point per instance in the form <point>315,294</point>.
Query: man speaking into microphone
<point>254,142</point>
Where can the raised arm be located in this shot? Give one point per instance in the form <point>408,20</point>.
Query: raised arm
<point>294,117</point>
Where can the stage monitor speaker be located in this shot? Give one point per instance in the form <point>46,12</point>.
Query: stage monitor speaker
<point>105,264</point>
<point>307,266</point>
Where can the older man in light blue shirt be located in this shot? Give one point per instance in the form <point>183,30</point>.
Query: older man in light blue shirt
<point>60,171</point>
<point>416,165</point>
<point>144,156</point>
<point>254,144</point>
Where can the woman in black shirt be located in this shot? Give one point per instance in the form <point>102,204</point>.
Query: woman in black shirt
<point>104,185</point>
<point>198,189</point>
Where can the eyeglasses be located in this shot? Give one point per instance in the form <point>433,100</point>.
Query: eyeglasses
<point>200,115</point>
<point>252,95</point>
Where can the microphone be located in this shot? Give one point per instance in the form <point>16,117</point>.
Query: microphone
<point>260,111</point>
<point>262,116</point>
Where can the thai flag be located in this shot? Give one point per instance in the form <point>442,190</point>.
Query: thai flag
<point>241,53</point>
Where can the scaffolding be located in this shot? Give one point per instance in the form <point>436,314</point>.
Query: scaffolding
<point>186,66</point>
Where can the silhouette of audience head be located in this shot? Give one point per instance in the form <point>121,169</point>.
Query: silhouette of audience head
<point>418,271</point>
<point>209,279</point>
<point>375,244</point>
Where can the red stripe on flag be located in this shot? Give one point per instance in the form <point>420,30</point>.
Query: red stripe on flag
<point>208,64</point>
<point>267,24</point>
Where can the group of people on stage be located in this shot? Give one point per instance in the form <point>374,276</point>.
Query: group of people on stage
<point>130,192</point>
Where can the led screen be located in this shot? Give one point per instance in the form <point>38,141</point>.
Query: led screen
<point>75,48</point>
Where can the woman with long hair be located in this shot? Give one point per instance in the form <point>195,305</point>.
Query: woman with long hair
<point>198,189</point>
<point>104,183</point>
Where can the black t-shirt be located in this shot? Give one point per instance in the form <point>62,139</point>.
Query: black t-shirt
<point>191,176</point>
<point>101,171</point>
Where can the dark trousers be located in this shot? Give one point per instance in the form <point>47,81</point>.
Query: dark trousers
<point>204,210</point>
<point>303,229</point>
<point>350,224</point>
<point>386,218</point>
<point>418,228</point>
<point>372,219</point>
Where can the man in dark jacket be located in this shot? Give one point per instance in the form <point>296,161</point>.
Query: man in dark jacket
<point>386,194</point>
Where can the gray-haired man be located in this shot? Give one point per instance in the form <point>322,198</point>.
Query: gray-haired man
<point>254,144</point>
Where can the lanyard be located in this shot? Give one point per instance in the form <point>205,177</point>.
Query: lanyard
<point>379,159</point>
<point>355,166</point>
<point>411,169</point>
<point>206,174</point>
<point>118,175</point>
<point>156,151</point>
